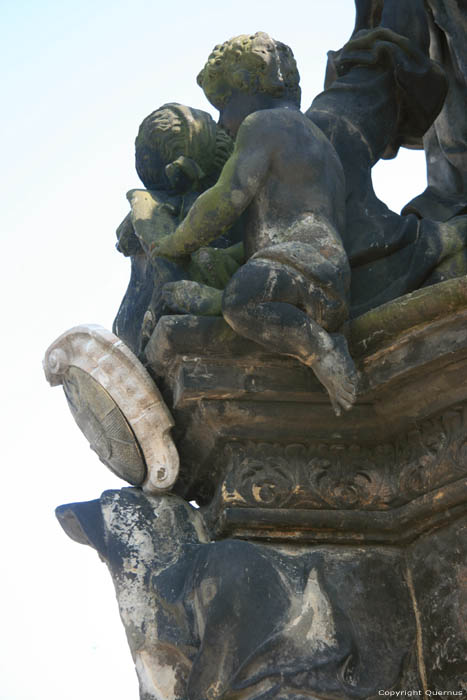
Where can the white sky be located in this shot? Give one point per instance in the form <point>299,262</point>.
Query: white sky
<point>79,77</point>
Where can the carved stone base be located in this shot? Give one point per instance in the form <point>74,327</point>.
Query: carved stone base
<point>253,620</point>
<point>333,562</point>
<point>263,453</point>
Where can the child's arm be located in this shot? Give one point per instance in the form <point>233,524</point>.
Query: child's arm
<point>219,207</point>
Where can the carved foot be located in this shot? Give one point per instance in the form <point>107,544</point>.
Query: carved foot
<point>336,371</point>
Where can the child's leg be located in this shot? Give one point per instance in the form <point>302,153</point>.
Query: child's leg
<point>188,297</point>
<point>265,303</point>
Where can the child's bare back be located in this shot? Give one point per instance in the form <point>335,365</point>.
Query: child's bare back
<point>301,182</point>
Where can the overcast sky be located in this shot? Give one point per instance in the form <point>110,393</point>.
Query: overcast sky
<point>79,77</point>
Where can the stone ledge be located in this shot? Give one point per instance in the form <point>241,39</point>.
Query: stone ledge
<point>399,526</point>
<point>241,412</point>
<point>201,358</point>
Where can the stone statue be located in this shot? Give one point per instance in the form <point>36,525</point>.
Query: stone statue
<point>180,151</point>
<point>441,28</point>
<point>208,620</point>
<point>292,295</point>
<point>273,546</point>
<point>383,91</point>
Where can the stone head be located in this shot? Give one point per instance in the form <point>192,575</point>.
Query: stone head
<point>179,148</point>
<point>253,66</point>
<point>122,521</point>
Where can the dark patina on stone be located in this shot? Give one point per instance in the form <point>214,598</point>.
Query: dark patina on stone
<point>262,450</point>
<point>311,347</point>
<point>260,445</point>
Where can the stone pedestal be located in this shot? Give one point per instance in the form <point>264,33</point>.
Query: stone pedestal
<point>268,461</point>
<point>263,453</point>
<point>327,558</point>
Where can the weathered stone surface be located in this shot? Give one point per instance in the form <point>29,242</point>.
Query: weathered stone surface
<point>180,152</point>
<point>444,142</point>
<point>116,404</point>
<point>438,571</point>
<point>382,90</point>
<point>402,441</point>
<point>291,296</point>
<point>207,620</point>
<point>141,539</point>
<point>327,559</point>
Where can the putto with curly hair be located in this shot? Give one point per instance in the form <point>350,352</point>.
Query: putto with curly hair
<point>252,64</point>
<point>285,183</point>
<point>177,137</point>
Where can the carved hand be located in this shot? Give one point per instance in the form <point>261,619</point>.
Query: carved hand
<point>167,247</point>
<point>213,266</point>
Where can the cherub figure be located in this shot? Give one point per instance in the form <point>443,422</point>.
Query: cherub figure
<point>291,296</point>
<point>179,152</point>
